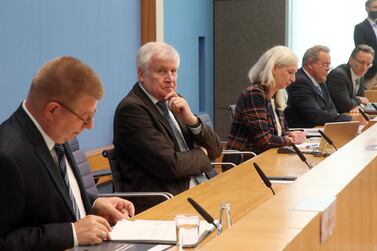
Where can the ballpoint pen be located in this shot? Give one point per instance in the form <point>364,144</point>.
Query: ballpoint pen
<point>312,145</point>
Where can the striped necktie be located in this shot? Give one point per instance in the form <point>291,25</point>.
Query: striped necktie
<point>59,149</point>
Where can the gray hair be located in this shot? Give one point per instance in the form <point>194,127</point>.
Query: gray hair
<point>368,3</point>
<point>362,47</point>
<point>313,53</point>
<point>263,70</point>
<point>155,49</point>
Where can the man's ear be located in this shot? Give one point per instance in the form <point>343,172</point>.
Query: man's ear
<point>308,64</point>
<point>140,74</point>
<point>50,109</point>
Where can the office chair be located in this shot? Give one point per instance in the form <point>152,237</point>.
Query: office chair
<point>232,110</point>
<point>206,119</point>
<point>89,178</point>
<point>89,182</point>
<point>142,200</point>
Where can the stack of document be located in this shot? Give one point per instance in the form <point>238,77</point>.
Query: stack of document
<point>153,231</point>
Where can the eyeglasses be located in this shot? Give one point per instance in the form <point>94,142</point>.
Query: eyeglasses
<point>86,121</point>
<point>324,65</point>
<point>365,64</point>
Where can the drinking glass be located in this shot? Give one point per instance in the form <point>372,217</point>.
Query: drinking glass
<point>187,229</point>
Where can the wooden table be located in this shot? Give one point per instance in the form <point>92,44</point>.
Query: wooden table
<point>241,187</point>
<point>350,175</point>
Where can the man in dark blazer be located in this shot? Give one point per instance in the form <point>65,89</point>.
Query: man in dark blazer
<point>365,33</point>
<point>346,82</point>
<point>44,205</point>
<point>151,152</point>
<point>309,102</point>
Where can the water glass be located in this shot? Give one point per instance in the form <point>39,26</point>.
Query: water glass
<point>187,229</point>
<point>225,218</point>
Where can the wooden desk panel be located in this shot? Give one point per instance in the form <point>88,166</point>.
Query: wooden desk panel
<point>241,187</point>
<point>350,174</point>
<point>253,232</point>
<point>371,95</point>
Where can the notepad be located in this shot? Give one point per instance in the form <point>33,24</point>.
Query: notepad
<point>153,231</point>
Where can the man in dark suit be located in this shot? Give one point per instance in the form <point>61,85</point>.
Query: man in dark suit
<point>346,82</point>
<point>309,102</point>
<point>159,143</point>
<point>44,205</point>
<point>365,33</point>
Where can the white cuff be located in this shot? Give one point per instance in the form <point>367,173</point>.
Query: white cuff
<point>75,241</point>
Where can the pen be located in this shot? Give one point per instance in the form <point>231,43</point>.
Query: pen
<point>312,145</point>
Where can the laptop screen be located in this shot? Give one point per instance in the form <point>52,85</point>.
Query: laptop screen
<point>340,133</point>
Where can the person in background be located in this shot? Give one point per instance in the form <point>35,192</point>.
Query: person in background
<point>160,145</point>
<point>309,100</point>
<point>346,82</point>
<point>258,122</point>
<point>44,205</point>
<point>366,33</point>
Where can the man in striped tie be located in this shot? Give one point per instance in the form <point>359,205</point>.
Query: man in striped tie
<point>346,82</point>
<point>44,205</point>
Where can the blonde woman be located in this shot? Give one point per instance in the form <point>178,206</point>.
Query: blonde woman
<point>258,123</point>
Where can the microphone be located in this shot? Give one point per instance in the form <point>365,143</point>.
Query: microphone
<point>374,105</point>
<point>364,115</point>
<point>327,139</point>
<point>266,181</point>
<point>301,155</point>
<point>202,212</point>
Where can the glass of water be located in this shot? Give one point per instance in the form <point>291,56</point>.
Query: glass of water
<point>187,229</point>
<point>225,219</point>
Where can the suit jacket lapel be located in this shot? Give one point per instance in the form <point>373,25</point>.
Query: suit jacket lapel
<point>349,79</point>
<point>154,110</point>
<point>313,86</point>
<point>372,35</point>
<point>44,155</point>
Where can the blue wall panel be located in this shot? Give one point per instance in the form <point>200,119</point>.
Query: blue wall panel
<point>184,22</point>
<point>104,34</point>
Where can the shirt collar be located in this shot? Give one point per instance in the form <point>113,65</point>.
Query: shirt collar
<point>153,99</point>
<point>353,75</point>
<point>49,142</point>
<point>372,22</point>
<point>310,77</point>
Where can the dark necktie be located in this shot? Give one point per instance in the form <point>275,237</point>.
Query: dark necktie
<point>199,178</point>
<point>177,134</point>
<point>319,90</point>
<point>356,86</point>
<point>59,149</point>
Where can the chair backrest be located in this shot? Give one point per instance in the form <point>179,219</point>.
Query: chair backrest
<point>206,119</point>
<point>110,155</point>
<point>232,109</point>
<point>83,165</point>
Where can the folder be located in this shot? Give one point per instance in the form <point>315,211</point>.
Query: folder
<point>153,231</point>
